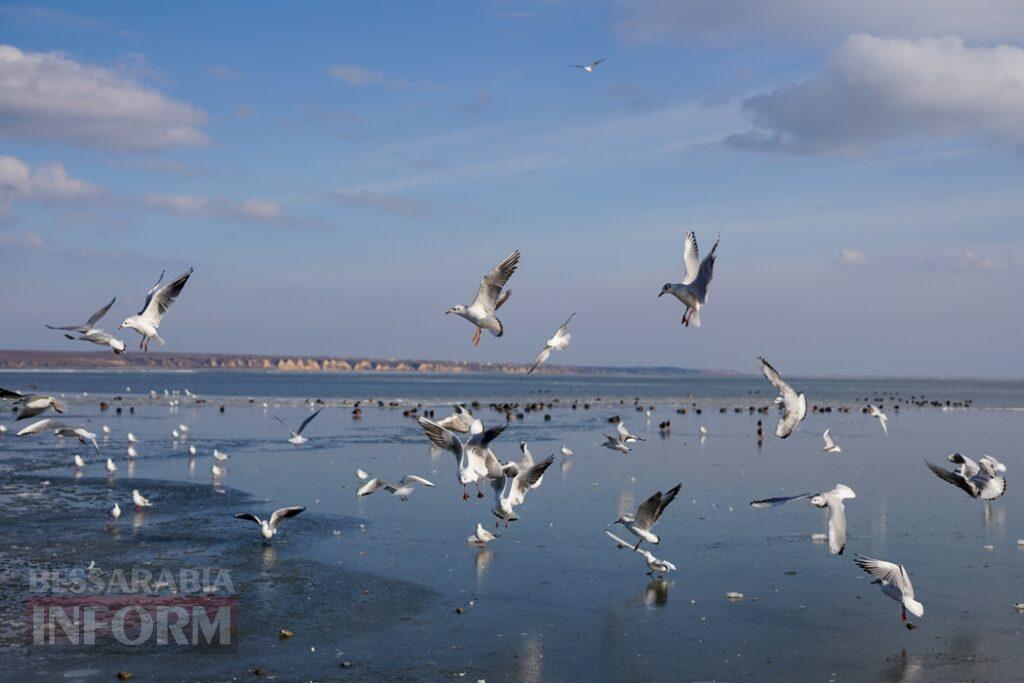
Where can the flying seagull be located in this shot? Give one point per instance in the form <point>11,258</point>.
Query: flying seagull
<point>984,484</point>
<point>460,421</point>
<point>489,298</point>
<point>794,404</point>
<point>830,445</point>
<point>883,419</point>
<point>559,342</point>
<point>297,438</point>
<point>895,583</point>
<point>833,500</point>
<point>654,565</point>
<point>58,428</point>
<point>589,68</point>
<point>158,300</point>
<point>268,527</point>
<point>88,325</point>
<point>101,338</point>
<point>32,404</point>
<point>625,436</point>
<point>481,536</point>
<point>402,489</point>
<point>647,515</point>
<point>615,443</point>
<point>472,458</point>
<point>510,482</point>
<point>693,290</point>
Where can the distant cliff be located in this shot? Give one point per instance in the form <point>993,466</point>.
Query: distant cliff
<point>100,360</point>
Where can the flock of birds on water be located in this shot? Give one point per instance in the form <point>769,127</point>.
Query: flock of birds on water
<point>469,441</point>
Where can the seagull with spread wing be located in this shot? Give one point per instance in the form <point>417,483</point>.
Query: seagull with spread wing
<point>510,483</point>
<point>559,342</point>
<point>158,300</point>
<point>296,435</point>
<point>58,428</point>
<point>88,324</point>
<point>895,582</point>
<point>830,445</point>
<point>489,298</point>
<point>471,458</point>
<point>589,68</point>
<point>794,404</point>
<point>693,290</point>
<point>32,404</point>
<point>460,421</point>
<point>88,331</point>
<point>977,479</point>
<point>833,500</point>
<point>625,436</point>
<point>647,515</point>
<point>268,527</point>
<point>615,443</point>
<point>404,487</point>
<point>883,419</point>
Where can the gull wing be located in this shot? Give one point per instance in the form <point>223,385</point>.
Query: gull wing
<point>620,543</point>
<point>795,411</point>
<point>283,513</point>
<point>691,257</point>
<point>541,358</point>
<point>955,479</point>
<point>415,479</point>
<point>98,315</point>
<point>160,298</point>
<point>528,478</point>
<point>649,511</point>
<point>286,426</point>
<point>248,516</point>
<point>307,421</point>
<point>49,424</point>
<point>442,438</point>
<point>10,395</point>
<point>492,284</point>
<point>836,526</point>
<point>775,502</point>
<point>370,486</point>
<point>828,440</point>
<point>888,572</point>
<point>704,274</point>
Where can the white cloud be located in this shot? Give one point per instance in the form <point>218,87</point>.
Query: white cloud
<point>255,208</point>
<point>48,96</point>
<point>817,21</point>
<point>873,89</point>
<point>355,75</point>
<point>46,182</point>
<point>933,260</point>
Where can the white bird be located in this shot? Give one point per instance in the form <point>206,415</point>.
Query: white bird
<point>296,435</point>
<point>527,462</point>
<point>558,342</point>
<point>566,452</point>
<point>703,431</point>
<point>175,434</point>
<point>220,455</point>
<point>140,500</point>
<point>79,462</point>
<point>32,404</point>
<point>61,429</point>
<point>883,419</point>
<point>615,443</point>
<point>3,429</point>
<point>693,290</point>
<point>132,438</point>
<point>101,338</point>
<point>115,511</point>
<point>88,328</point>
<point>510,482</point>
<point>404,487</point>
<point>968,468</point>
<point>216,471</point>
<point>106,430</point>
<point>833,500</point>
<point>481,536</point>
<point>132,452</point>
<point>984,484</point>
<point>473,457</point>
<point>895,582</point>
<point>830,445</point>
<point>158,300</point>
<point>647,515</point>
<point>654,564</point>
<point>794,405</point>
<point>625,436</point>
<point>192,451</point>
<point>183,429</point>
<point>489,298</point>
<point>268,527</point>
<point>589,68</point>
<point>460,421</point>
<point>111,467</point>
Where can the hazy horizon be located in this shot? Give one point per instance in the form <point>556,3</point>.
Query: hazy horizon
<point>336,195</point>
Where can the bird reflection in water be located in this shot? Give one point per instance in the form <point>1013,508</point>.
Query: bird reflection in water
<point>482,560</point>
<point>656,592</point>
<point>995,517</point>
<point>268,555</point>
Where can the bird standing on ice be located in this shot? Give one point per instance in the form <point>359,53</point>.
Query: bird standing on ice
<point>693,290</point>
<point>140,500</point>
<point>159,299</point>
<point>489,298</point>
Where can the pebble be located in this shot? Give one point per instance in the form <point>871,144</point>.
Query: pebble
<point>284,633</point>
<point>124,675</point>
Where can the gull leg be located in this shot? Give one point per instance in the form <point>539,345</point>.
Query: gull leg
<point>465,493</point>
<point>476,337</point>
<point>904,617</point>
<point>637,546</point>
<point>479,493</point>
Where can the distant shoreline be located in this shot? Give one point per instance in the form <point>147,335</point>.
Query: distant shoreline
<point>102,360</point>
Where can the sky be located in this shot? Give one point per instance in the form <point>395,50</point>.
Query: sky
<point>340,174</point>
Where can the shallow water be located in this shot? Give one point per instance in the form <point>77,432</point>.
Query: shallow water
<point>552,599</point>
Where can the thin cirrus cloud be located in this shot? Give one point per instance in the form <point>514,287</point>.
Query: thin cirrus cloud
<point>48,96</point>
<point>873,90</point>
<point>45,182</point>
<point>948,261</point>
<point>254,209</point>
<point>393,204</point>
<point>355,75</point>
<point>815,21</point>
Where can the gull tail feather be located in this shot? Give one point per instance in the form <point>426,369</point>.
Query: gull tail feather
<point>694,317</point>
<point>501,327</point>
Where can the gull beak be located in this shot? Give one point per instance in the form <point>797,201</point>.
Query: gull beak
<point>660,293</point>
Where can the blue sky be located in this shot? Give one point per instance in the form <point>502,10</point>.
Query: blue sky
<point>339,174</point>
